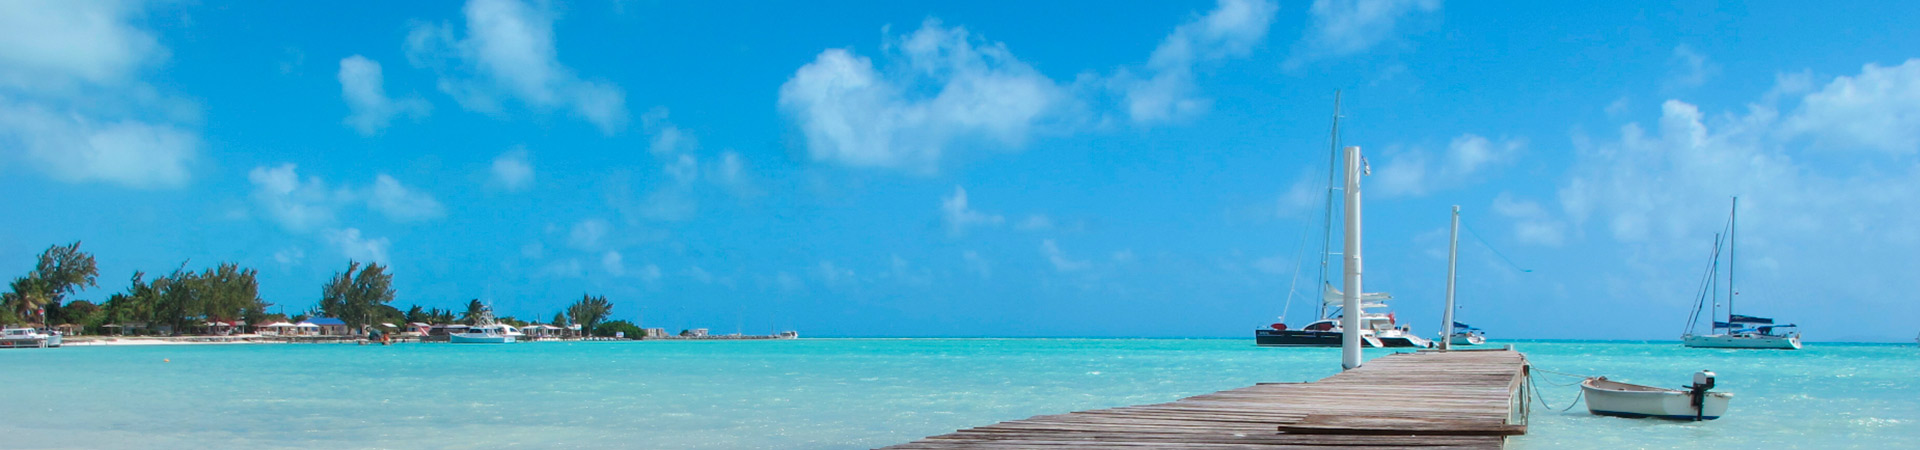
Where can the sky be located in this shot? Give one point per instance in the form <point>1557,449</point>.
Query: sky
<point>905,168</point>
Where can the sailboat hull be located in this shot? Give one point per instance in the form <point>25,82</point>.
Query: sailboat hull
<point>1296,338</point>
<point>1760,341</point>
<point>1467,339</point>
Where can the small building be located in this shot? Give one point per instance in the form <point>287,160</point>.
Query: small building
<point>697,332</point>
<point>654,333</point>
<point>330,326</point>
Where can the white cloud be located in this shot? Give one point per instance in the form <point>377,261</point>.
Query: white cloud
<point>1123,256</point>
<point>512,171</point>
<point>302,205</point>
<point>684,170</point>
<point>74,147</point>
<point>1232,29</point>
<point>649,273</point>
<point>833,275</point>
<point>361,86</point>
<point>856,115</point>
<point>400,203</point>
<point>977,264</point>
<point>1305,194</point>
<point>958,216</point>
<point>297,204</point>
<point>1059,259</point>
<point>1274,265</point>
<point>1036,222</point>
<point>56,45</point>
<point>668,139</point>
<point>589,234</point>
<point>731,171</point>
<point>72,102</point>
<point>1875,110</point>
<point>508,53</point>
<point>1691,69</point>
<point>1532,223</point>
<point>356,247</point>
<point>567,268</point>
<point>1409,172</point>
<point>290,256</point>
<point>613,263</point>
<point>1347,27</point>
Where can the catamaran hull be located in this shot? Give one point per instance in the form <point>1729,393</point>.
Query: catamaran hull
<point>458,339</point>
<point>30,343</point>
<point>1292,338</point>
<point>1467,339</point>
<point>1405,341</point>
<point>1607,398</point>
<point>1736,341</point>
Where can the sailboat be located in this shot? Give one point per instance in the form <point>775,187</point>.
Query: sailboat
<point>1460,334</point>
<point>1738,331</point>
<point>1328,330</point>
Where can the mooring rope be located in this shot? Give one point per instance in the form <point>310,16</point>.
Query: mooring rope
<point>1543,398</point>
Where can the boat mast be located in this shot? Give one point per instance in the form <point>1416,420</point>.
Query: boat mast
<point>1733,223</point>
<point>1453,258</point>
<point>1350,306</point>
<point>1333,171</point>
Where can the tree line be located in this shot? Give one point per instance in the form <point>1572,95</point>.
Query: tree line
<point>184,300</point>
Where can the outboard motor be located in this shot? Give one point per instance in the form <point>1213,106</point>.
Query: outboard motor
<point>1702,382</point>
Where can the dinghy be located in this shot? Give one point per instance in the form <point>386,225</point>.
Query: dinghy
<point>1612,398</point>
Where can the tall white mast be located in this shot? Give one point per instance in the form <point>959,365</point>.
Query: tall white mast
<point>1453,259</point>
<point>1350,306</point>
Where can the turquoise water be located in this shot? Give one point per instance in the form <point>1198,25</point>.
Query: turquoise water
<point>842,393</point>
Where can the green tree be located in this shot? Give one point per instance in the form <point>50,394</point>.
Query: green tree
<point>474,310</point>
<point>559,319</point>
<point>418,314</point>
<point>354,296</point>
<point>619,326</point>
<point>589,311</point>
<point>61,271</point>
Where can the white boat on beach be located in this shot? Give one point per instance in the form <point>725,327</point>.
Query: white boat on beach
<point>1612,398</point>
<point>1738,331</point>
<point>28,338</point>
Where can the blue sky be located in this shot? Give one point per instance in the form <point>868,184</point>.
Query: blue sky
<point>979,168</point>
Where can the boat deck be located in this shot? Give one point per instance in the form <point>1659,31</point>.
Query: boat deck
<point>1458,399</point>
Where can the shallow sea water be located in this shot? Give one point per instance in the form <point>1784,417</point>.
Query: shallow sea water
<point>845,393</point>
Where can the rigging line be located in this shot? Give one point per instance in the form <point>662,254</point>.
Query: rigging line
<point>1496,252</point>
<point>1293,284</point>
<point>1706,285</point>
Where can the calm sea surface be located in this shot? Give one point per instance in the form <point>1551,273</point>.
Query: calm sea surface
<point>843,393</point>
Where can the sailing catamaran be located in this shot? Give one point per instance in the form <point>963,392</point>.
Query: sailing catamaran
<point>1328,330</point>
<point>1738,331</point>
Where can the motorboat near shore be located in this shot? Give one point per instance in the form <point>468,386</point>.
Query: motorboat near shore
<point>1612,398</point>
<point>28,338</point>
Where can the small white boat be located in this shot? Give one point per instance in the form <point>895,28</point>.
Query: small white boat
<point>1612,398</point>
<point>28,338</point>
<point>1744,339</point>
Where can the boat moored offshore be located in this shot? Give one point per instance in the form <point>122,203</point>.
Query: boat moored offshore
<point>28,338</point>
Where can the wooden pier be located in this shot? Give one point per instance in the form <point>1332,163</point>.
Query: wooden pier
<point>1458,399</point>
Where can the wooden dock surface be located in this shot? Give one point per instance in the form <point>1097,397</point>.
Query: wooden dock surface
<point>1459,399</point>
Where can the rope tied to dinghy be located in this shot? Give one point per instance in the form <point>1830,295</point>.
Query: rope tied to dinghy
<point>1543,399</point>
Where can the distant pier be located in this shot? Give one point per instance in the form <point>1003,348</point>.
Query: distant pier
<point>1429,399</point>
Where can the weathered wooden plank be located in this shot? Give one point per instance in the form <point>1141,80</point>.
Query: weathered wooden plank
<point>1426,400</point>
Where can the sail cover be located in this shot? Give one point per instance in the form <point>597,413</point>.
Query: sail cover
<point>1736,318</point>
<point>1462,326</point>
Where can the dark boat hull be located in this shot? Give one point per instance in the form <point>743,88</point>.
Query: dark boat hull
<point>1300,338</point>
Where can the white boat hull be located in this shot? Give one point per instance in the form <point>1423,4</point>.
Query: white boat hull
<point>1610,398</point>
<point>1760,341</point>
<point>479,339</point>
<point>1467,339</point>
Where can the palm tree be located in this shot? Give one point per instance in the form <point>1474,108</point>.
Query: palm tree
<point>29,294</point>
<point>474,310</point>
<point>589,311</point>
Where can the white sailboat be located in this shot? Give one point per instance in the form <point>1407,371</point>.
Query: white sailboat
<point>1460,334</point>
<point>1738,331</point>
